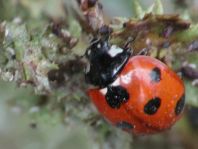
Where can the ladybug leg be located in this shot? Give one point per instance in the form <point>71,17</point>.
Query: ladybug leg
<point>127,45</point>
<point>143,51</point>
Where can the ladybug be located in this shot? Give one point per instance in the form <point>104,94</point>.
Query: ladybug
<point>138,94</point>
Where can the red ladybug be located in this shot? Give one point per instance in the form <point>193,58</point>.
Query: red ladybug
<point>139,94</point>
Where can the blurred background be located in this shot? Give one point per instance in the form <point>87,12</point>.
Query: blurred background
<point>30,121</point>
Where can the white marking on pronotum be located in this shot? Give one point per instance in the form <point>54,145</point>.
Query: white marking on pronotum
<point>99,46</point>
<point>103,91</point>
<point>88,51</point>
<point>116,82</point>
<point>114,50</point>
<point>87,68</point>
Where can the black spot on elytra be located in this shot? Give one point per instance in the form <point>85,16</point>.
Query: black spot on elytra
<point>155,74</point>
<point>180,105</point>
<point>116,95</point>
<point>152,106</point>
<point>124,125</point>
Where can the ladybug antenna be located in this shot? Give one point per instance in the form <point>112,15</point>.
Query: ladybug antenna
<point>93,41</point>
<point>143,51</point>
<point>127,45</point>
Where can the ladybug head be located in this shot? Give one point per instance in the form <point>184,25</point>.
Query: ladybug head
<point>97,48</point>
<point>105,61</point>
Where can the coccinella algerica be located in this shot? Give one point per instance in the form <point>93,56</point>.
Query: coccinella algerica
<point>138,94</point>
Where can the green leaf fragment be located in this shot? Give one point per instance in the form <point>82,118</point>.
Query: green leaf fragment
<point>155,8</point>
<point>138,10</point>
<point>191,93</point>
<point>189,34</point>
<point>75,28</point>
<point>158,7</point>
<point>150,9</point>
